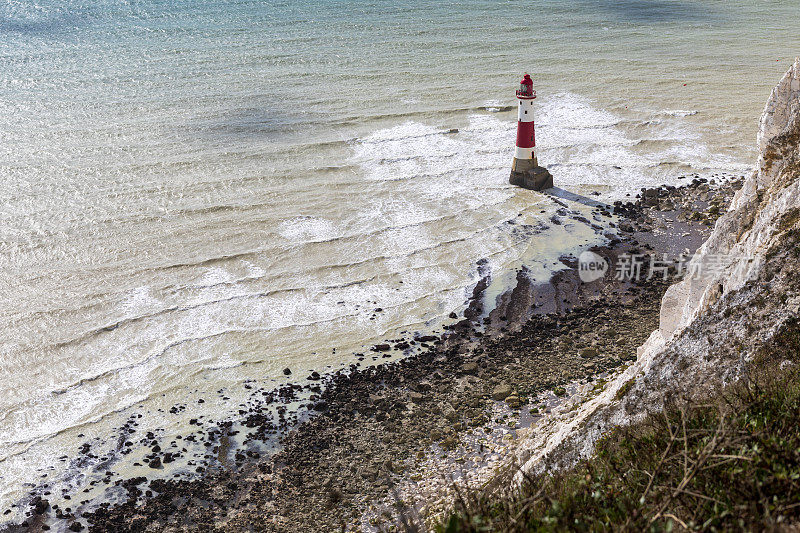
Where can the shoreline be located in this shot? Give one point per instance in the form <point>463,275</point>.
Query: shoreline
<point>373,423</point>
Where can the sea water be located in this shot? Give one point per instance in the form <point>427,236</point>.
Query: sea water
<point>196,194</point>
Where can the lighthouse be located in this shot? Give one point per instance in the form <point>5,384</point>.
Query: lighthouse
<point>525,170</point>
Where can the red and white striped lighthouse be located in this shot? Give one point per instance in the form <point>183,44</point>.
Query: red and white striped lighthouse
<point>526,136</point>
<point>525,170</point>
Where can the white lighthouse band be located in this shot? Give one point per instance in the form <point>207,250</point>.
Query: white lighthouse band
<point>524,153</point>
<point>525,110</point>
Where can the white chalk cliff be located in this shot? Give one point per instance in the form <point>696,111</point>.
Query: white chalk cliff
<point>712,324</point>
<point>743,233</point>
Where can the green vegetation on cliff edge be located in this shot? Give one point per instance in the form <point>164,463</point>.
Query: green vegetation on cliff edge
<point>731,462</point>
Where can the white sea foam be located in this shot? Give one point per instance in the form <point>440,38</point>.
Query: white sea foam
<point>307,229</point>
<point>681,113</point>
<point>139,300</point>
<point>494,106</point>
<point>214,276</point>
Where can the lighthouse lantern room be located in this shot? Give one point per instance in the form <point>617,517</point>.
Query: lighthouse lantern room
<point>525,170</point>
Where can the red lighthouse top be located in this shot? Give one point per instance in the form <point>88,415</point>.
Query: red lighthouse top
<point>526,91</point>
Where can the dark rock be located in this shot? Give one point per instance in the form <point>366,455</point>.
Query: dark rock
<point>416,397</point>
<point>501,392</point>
<point>536,179</point>
<point>513,401</point>
<point>588,352</point>
<point>469,368</point>
<point>40,506</point>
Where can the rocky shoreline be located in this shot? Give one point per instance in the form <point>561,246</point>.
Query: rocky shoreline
<point>396,433</point>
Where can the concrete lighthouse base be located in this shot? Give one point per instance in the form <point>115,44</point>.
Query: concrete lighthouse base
<point>527,173</point>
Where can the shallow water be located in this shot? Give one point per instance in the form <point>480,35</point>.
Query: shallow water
<point>193,196</point>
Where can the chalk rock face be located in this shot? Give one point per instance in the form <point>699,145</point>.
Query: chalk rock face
<point>781,112</point>
<point>710,324</point>
<point>734,250</point>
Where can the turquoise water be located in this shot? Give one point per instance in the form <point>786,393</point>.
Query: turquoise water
<point>195,194</point>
